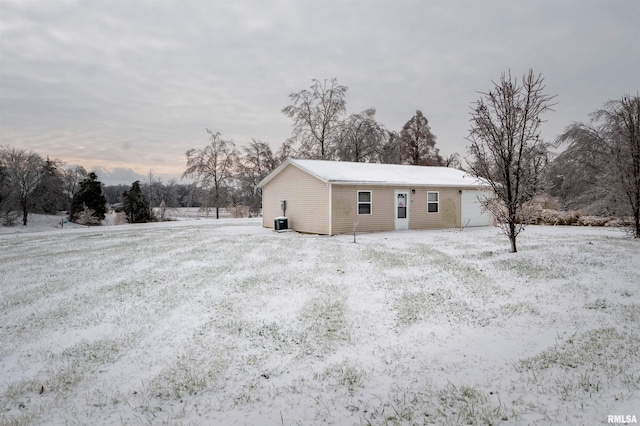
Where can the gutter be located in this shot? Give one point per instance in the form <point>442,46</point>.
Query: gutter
<point>409,184</point>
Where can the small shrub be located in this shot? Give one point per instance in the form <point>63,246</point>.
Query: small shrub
<point>555,217</point>
<point>9,218</point>
<point>87,217</point>
<point>595,220</point>
<point>120,218</point>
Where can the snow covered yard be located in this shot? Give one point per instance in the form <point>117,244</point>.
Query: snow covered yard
<point>224,322</point>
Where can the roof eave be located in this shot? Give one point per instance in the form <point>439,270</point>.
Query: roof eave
<point>376,183</point>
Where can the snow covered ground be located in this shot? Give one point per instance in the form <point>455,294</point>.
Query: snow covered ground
<point>224,322</point>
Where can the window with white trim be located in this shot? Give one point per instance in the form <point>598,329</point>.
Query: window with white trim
<point>433,202</point>
<point>364,202</point>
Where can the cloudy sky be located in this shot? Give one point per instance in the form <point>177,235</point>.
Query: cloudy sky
<point>121,85</point>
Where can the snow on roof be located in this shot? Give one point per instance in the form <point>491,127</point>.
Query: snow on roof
<point>343,172</point>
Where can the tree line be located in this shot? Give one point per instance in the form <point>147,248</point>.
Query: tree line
<point>598,169</point>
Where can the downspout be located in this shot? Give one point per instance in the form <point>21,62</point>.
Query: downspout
<point>330,208</point>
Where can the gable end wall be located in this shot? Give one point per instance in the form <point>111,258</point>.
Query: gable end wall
<point>307,201</point>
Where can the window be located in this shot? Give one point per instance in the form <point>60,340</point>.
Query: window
<point>433,202</point>
<point>401,204</point>
<point>364,202</point>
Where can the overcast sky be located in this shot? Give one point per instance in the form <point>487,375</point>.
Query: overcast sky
<point>133,84</point>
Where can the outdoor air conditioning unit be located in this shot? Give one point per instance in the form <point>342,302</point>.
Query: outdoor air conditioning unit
<point>280,223</point>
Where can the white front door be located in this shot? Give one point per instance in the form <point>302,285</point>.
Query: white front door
<point>402,210</point>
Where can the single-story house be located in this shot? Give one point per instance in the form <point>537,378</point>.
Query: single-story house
<point>330,197</point>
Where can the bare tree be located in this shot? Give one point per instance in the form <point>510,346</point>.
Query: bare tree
<point>506,147</point>
<point>317,116</point>
<point>23,173</point>
<point>212,169</point>
<point>453,161</point>
<point>285,151</point>
<point>6,200</point>
<point>609,150</point>
<point>418,143</point>
<point>361,137</point>
<point>390,149</point>
<point>256,163</point>
<point>170,194</point>
<point>72,178</point>
<point>50,194</point>
<point>160,195</point>
<point>579,177</point>
<point>152,189</point>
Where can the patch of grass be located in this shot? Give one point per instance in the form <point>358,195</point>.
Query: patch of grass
<point>522,266</point>
<point>65,371</point>
<point>385,259</point>
<point>471,278</point>
<point>184,377</point>
<point>450,405</point>
<point>585,363</point>
<point>346,374</point>
<point>487,254</point>
<point>598,304</point>
<point>468,405</point>
<point>519,308</point>
<point>323,324</point>
<point>627,312</point>
<point>404,406</point>
<point>415,306</point>
<point>81,359</point>
<point>17,390</point>
<point>626,293</point>
<point>334,257</point>
<point>196,369</point>
<point>579,288</point>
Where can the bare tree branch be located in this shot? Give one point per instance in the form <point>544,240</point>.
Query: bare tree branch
<point>211,168</point>
<point>22,175</point>
<point>317,116</point>
<point>608,151</point>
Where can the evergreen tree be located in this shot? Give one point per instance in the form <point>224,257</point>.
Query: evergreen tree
<point>89,196</point>
<point>136,206</point>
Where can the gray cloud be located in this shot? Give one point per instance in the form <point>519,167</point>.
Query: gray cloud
<point>134,84</point>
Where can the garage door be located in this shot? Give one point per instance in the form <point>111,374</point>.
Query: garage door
<point>472,214</point>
